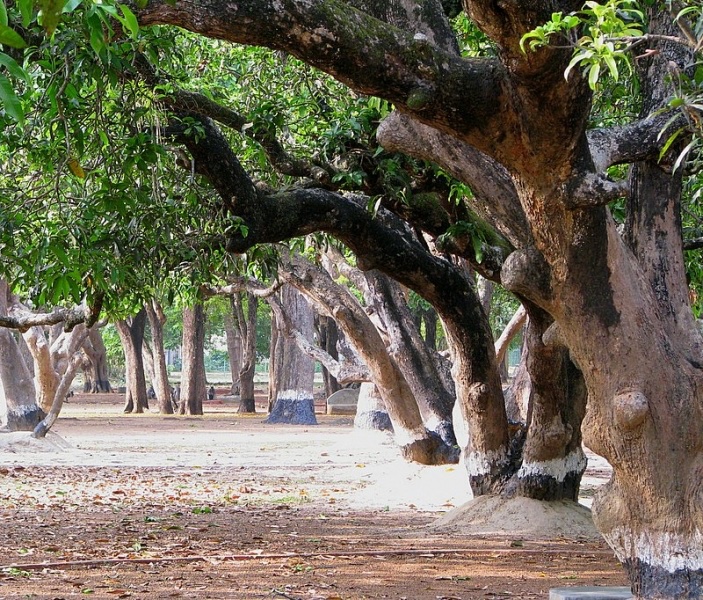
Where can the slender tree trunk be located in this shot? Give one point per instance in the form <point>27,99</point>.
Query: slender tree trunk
<point>131,332</point>
<point>327,338</point>
<point>294,400</point>
<point>193,385</point>
<point>414,439</point>
<point>234,348</point>
<point>275,361</point>
<point>247,367</point>
<point>162,388</point>
<point>409,351</point>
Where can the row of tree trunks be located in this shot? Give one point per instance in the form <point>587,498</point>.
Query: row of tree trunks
<point>416,442</point>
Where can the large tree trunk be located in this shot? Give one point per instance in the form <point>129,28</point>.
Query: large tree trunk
<point>247,367</point>
<point>193,384</point>
<point>131,332</point>
<point>553,460</point>
<point>18,407</point>
<point>162,387</point>
<point>294,399</point>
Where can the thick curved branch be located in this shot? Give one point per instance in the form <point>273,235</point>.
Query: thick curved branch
<point>23,320</point>
<point>468,96</point>
<point>495,198</point>
<point>196,103</point>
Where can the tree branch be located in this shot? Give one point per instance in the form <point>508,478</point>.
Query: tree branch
<point>24,320</point>
<point>634,142</point>
<point>465,95</point>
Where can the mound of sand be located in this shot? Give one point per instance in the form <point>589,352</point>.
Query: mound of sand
<point>22,441</point>
<point>519,518</point>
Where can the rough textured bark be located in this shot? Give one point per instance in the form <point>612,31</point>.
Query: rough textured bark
<point>96,372</point>
<point>418,365</point>
<point>18,408</point>
<point>294,402</point>
<point>131,332</point>
<point>193,388</point>
<point>162,387</point>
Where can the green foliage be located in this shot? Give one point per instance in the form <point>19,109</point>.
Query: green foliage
<point>609,29</point>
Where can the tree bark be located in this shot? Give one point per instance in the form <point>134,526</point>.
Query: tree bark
<point>327,336</point>
<point>408,350</point>
<point>131,332</point>
<point>96,372</point>
<point>162,387</point>
<point>18,407</point>
<point>247,368</point>
<point>415,441</point>
<point>294,402</point>
<point>371,411</point>
<point>193,384</point>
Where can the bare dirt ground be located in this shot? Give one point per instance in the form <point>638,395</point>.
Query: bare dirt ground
<point>224,506</point>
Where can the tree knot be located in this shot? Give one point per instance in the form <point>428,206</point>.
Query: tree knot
<point>630,408</point>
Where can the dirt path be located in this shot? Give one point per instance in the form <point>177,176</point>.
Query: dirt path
<point>246,510</point>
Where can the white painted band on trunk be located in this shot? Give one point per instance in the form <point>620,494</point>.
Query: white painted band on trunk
<point>557,468</point>
<point>300,395</point>
<point>24,410</point>
<point>480,463</point>
<point>669,551</point>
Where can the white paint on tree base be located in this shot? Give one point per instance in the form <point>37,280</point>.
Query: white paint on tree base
<point>557,468</point>
<point>296,395</point>
<point>669,551</point>
<point>483,463</point>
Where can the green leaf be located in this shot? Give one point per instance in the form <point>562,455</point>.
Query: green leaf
<point>9,37</point>
<point>129,21</point>
<point>10,101</point>
<point>13,68</point>
<point>593,74</point>
<point>50,14</point>
<point>26,10</point>
<point>3,13</point>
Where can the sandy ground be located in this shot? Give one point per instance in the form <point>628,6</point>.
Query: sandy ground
<point>248,510</point>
